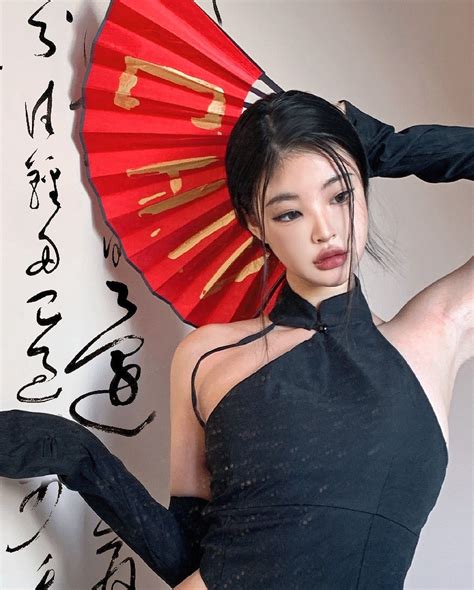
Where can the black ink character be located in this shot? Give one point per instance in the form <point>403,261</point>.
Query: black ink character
<point>45,119</point>
<point>34,350</point>
<point>42,26</point>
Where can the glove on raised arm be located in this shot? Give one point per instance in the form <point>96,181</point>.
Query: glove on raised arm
<point>434,153</point>
<point>34,444</point>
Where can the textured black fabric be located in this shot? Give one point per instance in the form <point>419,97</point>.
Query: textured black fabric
<point>188,512</point>
<point>34,444</point>
<point>325,462</point>
<point>434,153</point>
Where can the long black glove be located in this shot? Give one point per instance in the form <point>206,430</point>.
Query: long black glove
<point>34,444</point>
<point>434,153</point>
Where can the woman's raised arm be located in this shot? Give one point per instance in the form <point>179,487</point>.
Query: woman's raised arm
<point>433,153</point>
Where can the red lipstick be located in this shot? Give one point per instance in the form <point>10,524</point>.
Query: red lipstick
<point>330,258</point>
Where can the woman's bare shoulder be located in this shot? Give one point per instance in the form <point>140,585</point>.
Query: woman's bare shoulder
<point>211,336</point>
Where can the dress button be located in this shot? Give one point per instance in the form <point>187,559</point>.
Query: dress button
<point>322,328</point>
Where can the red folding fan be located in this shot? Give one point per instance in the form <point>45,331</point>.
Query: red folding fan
<point>164,88</point>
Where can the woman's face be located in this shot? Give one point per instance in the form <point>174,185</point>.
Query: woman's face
<point>314,218</point>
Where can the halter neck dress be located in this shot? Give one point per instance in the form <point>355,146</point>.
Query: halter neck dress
<point>325,463</point>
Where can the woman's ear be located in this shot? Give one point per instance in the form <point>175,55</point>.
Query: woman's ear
<point>254,228</point>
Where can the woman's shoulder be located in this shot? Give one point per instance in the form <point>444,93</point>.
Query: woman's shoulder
<point>210,336</point>
<point>440,317</point>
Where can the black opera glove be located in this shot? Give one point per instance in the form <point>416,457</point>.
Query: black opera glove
<point>34,444</point>
<point>434,153</point>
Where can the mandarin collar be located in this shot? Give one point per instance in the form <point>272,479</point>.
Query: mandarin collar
<point>293,310</point>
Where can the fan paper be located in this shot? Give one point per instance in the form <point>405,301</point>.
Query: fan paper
<point>164,89</point>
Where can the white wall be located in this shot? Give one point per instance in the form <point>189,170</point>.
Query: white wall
<point>405,62</point>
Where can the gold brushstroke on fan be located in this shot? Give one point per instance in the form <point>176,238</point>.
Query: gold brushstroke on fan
<point>201,235</point>
<point>176,185</point>
<point>251,268</point>
<point>186,197</point>
<point>145,200</point>
<point>129,79</point>
<point>221,270</point>
<point>173,169</point>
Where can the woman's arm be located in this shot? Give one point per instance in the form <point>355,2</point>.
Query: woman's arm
<point>433,153</point>
<point>455,293</point>
<point>34,444</point>
<point>445,308</point>
<point>189,477</point>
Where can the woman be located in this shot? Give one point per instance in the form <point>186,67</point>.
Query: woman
<point>328,452</point>
<point>331,430</point>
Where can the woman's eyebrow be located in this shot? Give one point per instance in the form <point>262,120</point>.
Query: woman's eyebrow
<point>294,196</point>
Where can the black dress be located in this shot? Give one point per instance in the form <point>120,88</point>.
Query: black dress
<point>325,462</point>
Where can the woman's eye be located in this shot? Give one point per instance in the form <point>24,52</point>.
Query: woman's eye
<point>341,199</point>
<point>345,196</point>
<point>280,217</point>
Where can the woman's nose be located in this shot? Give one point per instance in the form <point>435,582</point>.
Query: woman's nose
<point>322,229</point>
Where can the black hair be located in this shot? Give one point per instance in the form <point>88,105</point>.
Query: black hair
<point>274,127</point>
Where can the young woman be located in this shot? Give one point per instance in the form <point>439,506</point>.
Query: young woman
<point>321,439</point>
<point>310,445</point>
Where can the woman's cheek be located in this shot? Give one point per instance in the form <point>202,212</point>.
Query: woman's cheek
<point>360,230</point>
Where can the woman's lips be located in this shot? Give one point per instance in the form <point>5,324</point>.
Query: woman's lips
<point>331,261</point>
